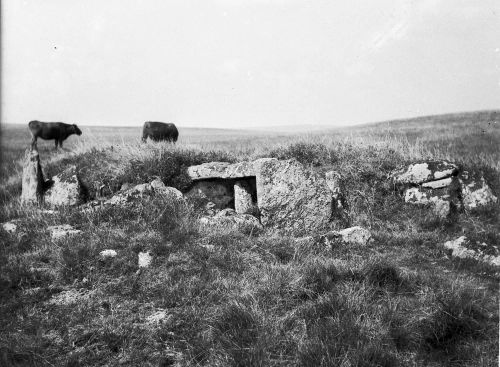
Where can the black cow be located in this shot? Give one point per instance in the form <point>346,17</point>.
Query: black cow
<point>59,131</point>
<point>158,131</point>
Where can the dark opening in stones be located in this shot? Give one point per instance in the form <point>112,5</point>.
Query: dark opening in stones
<point>239,193</point>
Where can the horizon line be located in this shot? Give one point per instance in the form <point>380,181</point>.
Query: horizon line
<point>267,126</point>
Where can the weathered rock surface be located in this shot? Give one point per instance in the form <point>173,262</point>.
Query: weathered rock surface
<point>229,218</point>
<point>291,197</point>
<point>440,200</point>
<point>440,185</point>
<point>243,200</point>
<point>66,190</point>
<point>351,236</point>
<point>216,192</point>
<point>475,191</point>
<point>339,207</point>
<point>426,171</point>
<point>63,230</point>
<point>33,181</point>
<point>461,248</point>
<point>221,170</point>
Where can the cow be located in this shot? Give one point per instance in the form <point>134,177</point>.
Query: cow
<point>58,131</point>
<point>158,131</point>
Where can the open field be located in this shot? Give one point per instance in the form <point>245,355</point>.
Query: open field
<point>232,298</point>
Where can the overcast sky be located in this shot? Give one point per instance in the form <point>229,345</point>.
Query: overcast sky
<point>236,63</point>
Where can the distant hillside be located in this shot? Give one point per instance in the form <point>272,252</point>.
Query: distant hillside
<point>422,122</point>
<point>460,118</point>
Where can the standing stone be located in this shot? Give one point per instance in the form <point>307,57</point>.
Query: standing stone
<point>33,181</point>
<point>291,197</point>
<point>339,203</point>
<point>243,203</point>
<point>66,189</point>
<point>333,182</point>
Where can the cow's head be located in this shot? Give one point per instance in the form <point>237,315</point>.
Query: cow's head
<point>77,130</point>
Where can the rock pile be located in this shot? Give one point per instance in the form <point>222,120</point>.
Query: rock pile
<point>283,192</point>
<point>442,185</point>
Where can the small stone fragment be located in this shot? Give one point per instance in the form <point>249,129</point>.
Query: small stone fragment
<point>108,254</point>
<point>157,318</point>
<point>9,227</point>
<point>353,236</point>
<point>61,231</point>
<point>145,259</point>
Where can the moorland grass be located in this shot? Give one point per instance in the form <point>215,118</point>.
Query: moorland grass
<point>261,298</point>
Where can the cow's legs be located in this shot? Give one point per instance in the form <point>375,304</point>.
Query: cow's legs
<point>56,143</point>
<point>60,144</point>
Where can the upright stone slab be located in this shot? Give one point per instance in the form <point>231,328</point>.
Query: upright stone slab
<point>243,203</point>
<point>291,197</point>
<point>33,181</point>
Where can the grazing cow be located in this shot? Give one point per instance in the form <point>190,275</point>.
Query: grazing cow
<point>158,131</point>
<point>58,131</point>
